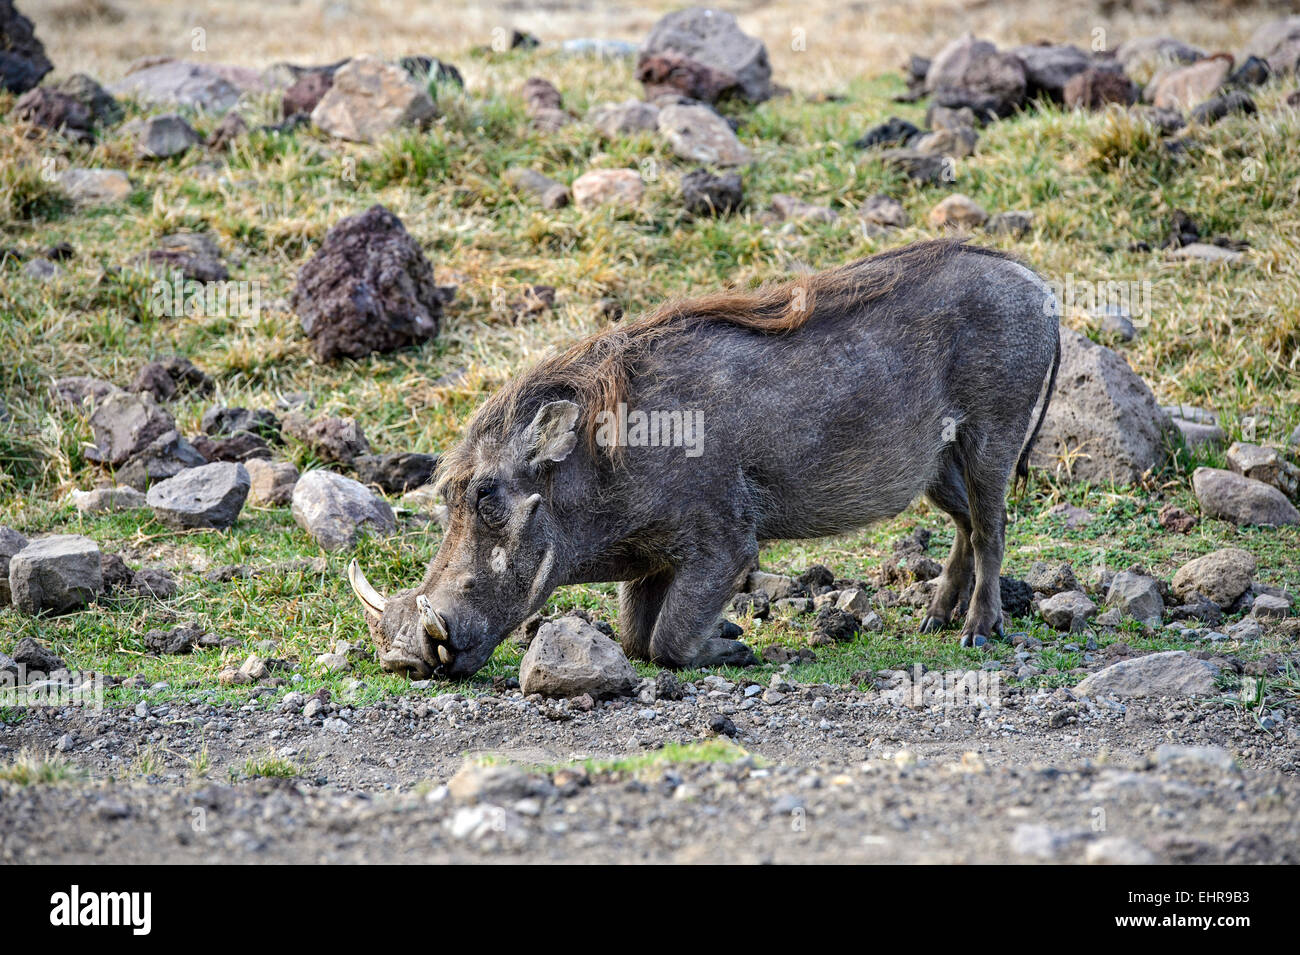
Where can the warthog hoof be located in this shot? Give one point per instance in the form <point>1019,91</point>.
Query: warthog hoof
<point>976,640</point>
<point>720,652</point>
<point>933,624</point>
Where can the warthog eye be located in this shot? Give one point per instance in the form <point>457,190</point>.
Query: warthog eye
<point>492,508</point>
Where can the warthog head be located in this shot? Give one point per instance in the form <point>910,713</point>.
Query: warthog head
<point>498,561</point>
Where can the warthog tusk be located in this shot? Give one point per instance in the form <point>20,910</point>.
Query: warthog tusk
<point>433,623</point>
<point>444,654</point>
<point>370,598</point>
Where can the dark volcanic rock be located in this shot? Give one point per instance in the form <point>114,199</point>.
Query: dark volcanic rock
<point>56,111</point>
<point>834,625</point>
<point>1049,67</point>
<point>195,255</point>
<point>713,38</point>
<point>22,57</point>
<point>305,92</point>
<point>706,194</point>
<point>220,422</point>
<point>368,288</point>
<point>125,424</point>
<point>169,377</point>
<point>238,447</point>
<point>1213,110</point>
<point>35,656</point>
<point>1097,88</point>
<point>181,640</point>
<point>104,109</point>
<point>1017,596</point>
<point>166,456</point>
<point>207,496</point>
<point>672,72</point>
<point>892,132</point>
<point>396,473</point>
<point>231,128</point>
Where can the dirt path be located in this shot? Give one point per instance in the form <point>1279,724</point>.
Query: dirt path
<point>831,774</point>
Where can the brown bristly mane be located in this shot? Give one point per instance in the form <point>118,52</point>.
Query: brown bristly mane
<point>596,372</point>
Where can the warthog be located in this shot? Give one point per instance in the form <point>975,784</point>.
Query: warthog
<point>826,403</point>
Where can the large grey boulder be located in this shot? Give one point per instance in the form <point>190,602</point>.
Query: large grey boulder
<point>55,574</point>
<point>1242,500</point>
<point>369,99</point>
<point>570,657</point>
<point>712,37</point>
<point>335,510</point>
<point>1103,415</point>
<point>1172,673</point>
<point>208,496</point>
<point>1220,576</point>
<point>11,542</point>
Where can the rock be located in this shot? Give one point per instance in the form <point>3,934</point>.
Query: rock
<point>335,509</point>
<point>616,120</point>
<point>1196,434</point>
<point>35,657</point>
<point>884,211</point>
<point>1205,252</point>
<point>545,106</point>
<point>165,457</point>
<point>1017,596</point>
<point>1015,223</point>
<point>331,439</point>
<point>969,72</point>
<point>23,62</point>
<point>55,111</point>
<point>154,582</point>
<point>1051,579</point>
<point>794,209</point>
<point>705,194</point>
<point>1073,517</point>
<point>11,542</point>
<point>195,255</point>
<point>82,392</point>
<point>171,377</point>
<point>124,425</point>
<point>892,132</point>
<point>55,574</point>
<point>1068,611</point>
<point>270,483</point>
<point>496,783</point>
<point>305,93</point>
<point>854,601</point>
<point>923,167</point>
<point>94,187</point>
<point>772,586</point>
<point>1220,576</point>
<point>177,641</point>
<point>1171,673</point>
<point>699,134</point>
<point>113,572</point>
<point>220,420</point>
<point>207,496</point>
<point>1186,86</point>
<point>602,186</point>
<point>1142,55</point>
<point>713,38</point>
<point>1096,88</point>
<point>1137,596</point>
<point>1264,464</point>
<point>1213,110</point>
<point>569,657</point>
<point>674,74</point>
<point>551,194</point>
<point>161,137</point>
<point>212,88</point>
<point>398,472</point>
<point>104,109</point>
<point>957,143</point>
<point>105,500</point>
<point>957,212</point>
<point>1176,519</point>
<point>334,662</point>
<point>1270,607</point>
<point>1049,67</point>
<point>1198,607</point>
<point>238,448</point>
<point>370,98</point>
<point>834,625</point>
<point>41,270</point>
<point>1236,498</point>
<point>254,668</point>
<point>1174,754</point>
<point>1116,850</point>
<point>1105,412</point>
<point>1043,842</point>
<point>1278,43</point>
<point>368,288</point>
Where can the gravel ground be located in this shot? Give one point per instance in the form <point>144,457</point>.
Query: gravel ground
<point>797,774</point>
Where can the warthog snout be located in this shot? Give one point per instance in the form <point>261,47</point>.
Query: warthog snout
<point>412,636</point>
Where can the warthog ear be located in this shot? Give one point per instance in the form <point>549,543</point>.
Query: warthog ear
<point>550,437</point>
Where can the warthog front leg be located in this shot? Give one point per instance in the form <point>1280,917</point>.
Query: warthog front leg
<point>639,603</point>
<point>685,631</point>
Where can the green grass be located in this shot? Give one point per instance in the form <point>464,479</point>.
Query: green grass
<point>269,766</point>
<point>31,768</point>
<point>1224,337</point>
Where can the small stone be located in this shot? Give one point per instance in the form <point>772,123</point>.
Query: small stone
<point>396,473</point>
<point>706,194</point>
<point>370,98</point>
<point>32,656</point>
<point>1014,223</point>
<point>607,186</point>
<point>1175,754</point>
<point>1096,89</point>
<point>207,496</point>
<point>958,212</point>
<point>1068,611</point>
<point>1171,673</point>
<point>833,625</point>
<point>1205,252</point>
<point>1221,576</point>
<point>854,601</point>
<point>792,208</point>
<point>1138,597</point>
<point>496,783</point>
<point>1176,519</point>
<point>94,187</point>
<point>1270,607</point>
<point>1050,579</point>
<point>11,542</point>
<point>334,662</point>
<point>105,500</point>
<point>271,483</point>
<point>569,657</point>
<point>1264,464</point>
<point>1116,850</point>
<point>773,586</point>
<point>698,134</point>
<point>616,120</point>
<point>161,137</point>
<point>884,211</point>
<point>331,439</point>
<point>551,194</point>
<point>1242,500</point>
<point>254,667</point>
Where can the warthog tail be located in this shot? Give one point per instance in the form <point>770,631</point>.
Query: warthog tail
<point>1022,463</point>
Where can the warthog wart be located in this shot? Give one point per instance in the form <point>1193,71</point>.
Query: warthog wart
<point>833,402</point>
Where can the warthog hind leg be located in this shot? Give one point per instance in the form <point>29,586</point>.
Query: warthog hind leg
<point>953,588</point>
